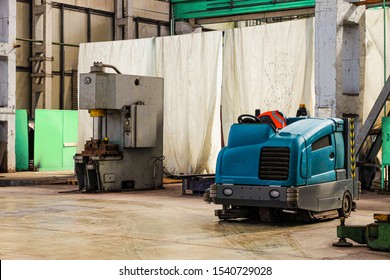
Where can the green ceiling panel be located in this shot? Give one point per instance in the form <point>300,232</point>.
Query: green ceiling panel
<point>185,9</point>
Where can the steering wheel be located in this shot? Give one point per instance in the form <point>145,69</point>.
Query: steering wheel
<point>246,118</point>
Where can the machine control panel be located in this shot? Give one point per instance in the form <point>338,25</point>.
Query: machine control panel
<point>139,126</point>
<point>127,127</point>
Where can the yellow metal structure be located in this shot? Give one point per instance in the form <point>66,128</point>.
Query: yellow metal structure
<point>97,113</point>
<point>382,217</point>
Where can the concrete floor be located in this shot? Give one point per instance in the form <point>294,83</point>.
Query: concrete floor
<point>49,222</point>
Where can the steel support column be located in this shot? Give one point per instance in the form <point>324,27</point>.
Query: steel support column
<point>339,59</point>
<point>42,55</point>
<point>124,25</point>
<point>7,85</point>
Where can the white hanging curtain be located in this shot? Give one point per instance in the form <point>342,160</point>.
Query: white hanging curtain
<point>267,67</point>
<point>374,77</point>
<point>191,66</point>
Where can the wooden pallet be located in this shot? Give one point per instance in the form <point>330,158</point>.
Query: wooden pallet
<point>72,182</point>
<point>172,181</point>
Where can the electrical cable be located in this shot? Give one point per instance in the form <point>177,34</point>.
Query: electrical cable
<point>156,166</point>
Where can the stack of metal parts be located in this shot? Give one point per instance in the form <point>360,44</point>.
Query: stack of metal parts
<point>101,149</point>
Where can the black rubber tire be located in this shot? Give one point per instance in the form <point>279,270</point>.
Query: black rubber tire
<point>269,215</point>
<point>346,205</point>
<point>265,214</point>
<point>277,215</point>
<point>308,216</point>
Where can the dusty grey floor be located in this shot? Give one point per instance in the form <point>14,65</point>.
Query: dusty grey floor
<point>42,222</point>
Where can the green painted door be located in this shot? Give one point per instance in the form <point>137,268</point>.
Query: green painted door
<point>55,139</point>
<point>70,136</point>
<point>21,140</point>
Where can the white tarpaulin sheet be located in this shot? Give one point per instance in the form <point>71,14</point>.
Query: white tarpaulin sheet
<point>374,78</point>
<point>267,67</point>
<point>191,66</point>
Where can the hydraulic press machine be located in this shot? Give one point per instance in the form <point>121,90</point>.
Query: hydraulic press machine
<point>126,149</point>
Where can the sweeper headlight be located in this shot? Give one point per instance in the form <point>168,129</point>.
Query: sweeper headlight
<point>274,193</point>
<point>227,191</point>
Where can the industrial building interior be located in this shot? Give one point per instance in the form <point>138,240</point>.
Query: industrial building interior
<point>194,130</point>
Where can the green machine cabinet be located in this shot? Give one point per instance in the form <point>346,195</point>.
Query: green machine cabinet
<point>385,151</point>
<point>376,235</point>
<point>386,141</point>
<point>21,140</point>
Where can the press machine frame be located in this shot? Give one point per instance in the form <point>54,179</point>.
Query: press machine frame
<point>126,149</point>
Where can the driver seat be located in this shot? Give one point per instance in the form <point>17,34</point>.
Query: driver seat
<point>248,134</point>
<point>274,118</point>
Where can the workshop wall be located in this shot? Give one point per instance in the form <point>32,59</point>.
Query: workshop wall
<point>96,4</point>
<point>75,32</point>
<point>152,16</point>
<point>23,87</point>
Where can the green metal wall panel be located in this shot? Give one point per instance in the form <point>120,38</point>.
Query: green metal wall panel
<point>386,140</point>
<point>185,9</point>
<point>55,139</point>
<point>21,140</point>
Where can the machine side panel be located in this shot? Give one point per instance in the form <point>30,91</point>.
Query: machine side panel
<point>243,195</point>
<point>324,196</point>
<point>132,89</point>
<point>97,91</point>
<point>144,126</point>
<point>317,198</point>
<point>249,134</point>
